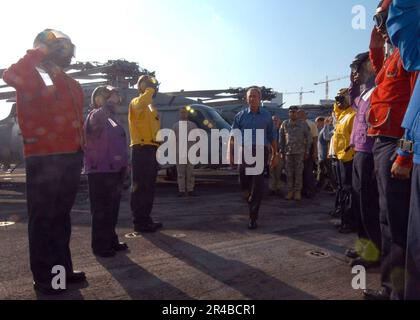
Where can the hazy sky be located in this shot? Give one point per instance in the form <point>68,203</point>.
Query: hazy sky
<point>203,44</point>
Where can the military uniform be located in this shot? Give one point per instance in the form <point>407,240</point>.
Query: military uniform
<point>295,141</point>
<point>185,170</point>
<point>275,183</point>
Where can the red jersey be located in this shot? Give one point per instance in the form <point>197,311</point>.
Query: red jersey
<point>390,99</point>
<point>50,117</point>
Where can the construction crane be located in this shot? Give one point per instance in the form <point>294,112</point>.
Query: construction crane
<point>300,93</point>
<point>327,85</point>
<point>223,97</point>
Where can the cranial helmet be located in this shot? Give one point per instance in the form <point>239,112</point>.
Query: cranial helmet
<point>60,47</point>
<point>104,91</point>
<point>358,61</point>
<point>151,82</point>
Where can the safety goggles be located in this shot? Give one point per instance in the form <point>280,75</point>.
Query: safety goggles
<point>66,48</point>
<point>355,68</point>
<point>380,20</point>
<point>340,99</point>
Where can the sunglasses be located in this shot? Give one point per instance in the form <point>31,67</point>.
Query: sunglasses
<point>354,69</point>
<point>340,99</point>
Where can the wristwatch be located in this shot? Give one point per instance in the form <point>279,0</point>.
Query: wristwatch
<point>406,146</point>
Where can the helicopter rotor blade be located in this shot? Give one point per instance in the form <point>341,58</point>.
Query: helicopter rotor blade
<point>4,86</point>
<point>197,93</point>
<point>7,95</point>
<point>90,71</point>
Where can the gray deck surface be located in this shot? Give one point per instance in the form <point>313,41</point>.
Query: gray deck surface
<point>205,250</point>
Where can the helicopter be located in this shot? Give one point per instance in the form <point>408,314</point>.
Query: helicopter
<point>229,102</point>
<point>124,75</point>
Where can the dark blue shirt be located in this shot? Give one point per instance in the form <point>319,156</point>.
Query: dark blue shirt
<point>252,121</point>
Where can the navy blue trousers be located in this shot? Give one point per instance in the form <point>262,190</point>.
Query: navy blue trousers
<point>51,188</point>
<point>394,201</point>
<point>253,186</point>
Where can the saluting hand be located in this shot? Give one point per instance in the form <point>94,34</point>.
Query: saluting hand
<point>44,48</point>
<point>376,39</point>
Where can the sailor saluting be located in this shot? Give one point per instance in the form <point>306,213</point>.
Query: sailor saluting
<point>50,118</point>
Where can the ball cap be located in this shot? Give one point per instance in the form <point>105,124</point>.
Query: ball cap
<point>358,60</point>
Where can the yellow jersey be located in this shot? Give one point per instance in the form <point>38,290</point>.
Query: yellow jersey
<point>143,120</point>
<point>341,138</point>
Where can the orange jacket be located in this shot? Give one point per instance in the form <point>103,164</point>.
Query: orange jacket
<point>50,118</point>
<point>390,99</point>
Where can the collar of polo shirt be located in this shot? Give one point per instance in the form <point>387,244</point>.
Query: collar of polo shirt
<point>249,110</point>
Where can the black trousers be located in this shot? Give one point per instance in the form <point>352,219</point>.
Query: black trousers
<point>253,187</point>
<point>394,201</point>
<point>366,198</point>
<point>325,173</point>
<point>51,188</point>
<point>144,175</point>
<point>105,196</point>
<point>344,198</point>
<point>351,216</point>
<point>309,181</point>
<point>412,284</point>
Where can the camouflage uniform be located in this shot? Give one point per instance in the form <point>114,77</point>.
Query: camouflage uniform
<point>295,141</point>
<point>275,183</point>
<point>185,170</point>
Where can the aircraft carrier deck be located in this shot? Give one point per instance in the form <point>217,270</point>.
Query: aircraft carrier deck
<point>205,250</point>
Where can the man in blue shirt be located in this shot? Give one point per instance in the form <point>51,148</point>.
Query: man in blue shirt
<point>404,30</point>
<point>325,173</point>
<point>253,132</point>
